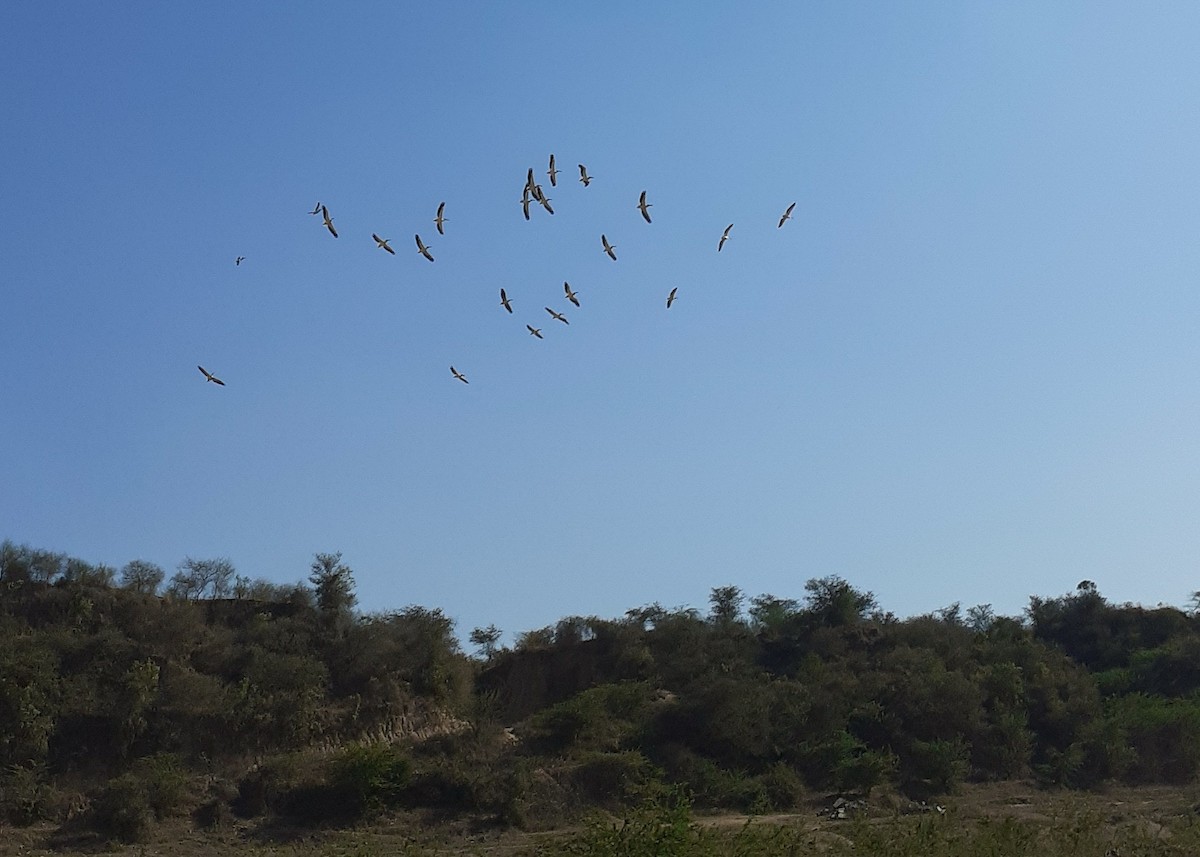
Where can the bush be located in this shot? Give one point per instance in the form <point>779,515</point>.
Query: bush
<point>612,778</point>
<point>265,789</point>
<point>24,795</point>
<point>932,768</point>
<point>783,787</point>
<point>370,777</point>
<point>165,783</point>
<point>122,810</point>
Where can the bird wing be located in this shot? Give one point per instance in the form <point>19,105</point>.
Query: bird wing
<point>205,371</point>
<point>217,380</point>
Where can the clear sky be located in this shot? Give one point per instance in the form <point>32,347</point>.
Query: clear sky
<point>968,369</point>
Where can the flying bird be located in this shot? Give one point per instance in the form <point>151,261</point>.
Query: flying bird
<point>210,376</point>
<point>316,209</point>
<point>545,201</point>
<point>423,250</point>
<point>608,248</point>
<point>505,302</point>
<point>525,202</point>
<point>558,316</point>
<point>536,190</point>
<point>529,179</point>
<point>643,205</point>
<point>787,215</point>
<point>553,173</point>
<point>239,260</point>
<point>383,243</point>
<point>439,220</point>
<point>583,176</point>
<point>571,296</point>
<point>459,375</point>
<point>671,297</point>
<point>724,238</point>
<point>535,331</point>
<point>328,221</point>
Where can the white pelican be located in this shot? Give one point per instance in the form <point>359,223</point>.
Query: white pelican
<point>558,316</point>
<point>643,205</point>
<point>671,297</point>
<point>571,296</point>
<point>787,215</point>
<point>316,209</point>
<point>608,248</point>
<point>724,238</point>
<point>328,221</point>
<point>583,176</point>
<point>459,375</point>
<point>423,250</point>
<point>239,260</point>
<point>439,220</point>
<point>535,331</point>
<point>505,302</point>
<point>210,376</point>
<point>525,201</point>
<point>552,172</point>
<point>383,243</point>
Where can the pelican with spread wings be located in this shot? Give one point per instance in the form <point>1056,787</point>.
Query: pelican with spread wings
<point>209,376</point>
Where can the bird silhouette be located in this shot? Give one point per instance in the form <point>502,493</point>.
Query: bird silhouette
<point>210,376</point>
<point>316,209</point>
<point>505,302</point>
<point>571,296</point>
<point>239,260</point>
<point>558,316</point>
<point>583,176</point>
<point>671,297</point>
<point>608,248</point>
<point>553,173</point>
<point>439,220</point>
<point>787,215</point>
<point>643,206</point>
<point>422,249</point>
<point>535,331</point>
<point>328,221</point>
<point>724,238</point>
<point>459,375</point>
<point>383,243</point>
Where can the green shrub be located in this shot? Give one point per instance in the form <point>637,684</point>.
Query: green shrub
<point>165,783</point>
<point>24,794</point>
<point>609,779</point>
<point>370,777</point>
<point>265,788</point>
<point>122,809</point>
<point>1164,736</point>
<point>931,768</point>
<point>783,787</point>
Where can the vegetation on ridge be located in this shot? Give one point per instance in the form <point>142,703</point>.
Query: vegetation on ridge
<point>225,698</point>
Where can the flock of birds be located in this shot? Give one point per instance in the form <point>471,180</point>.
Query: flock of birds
<point>531,193</point>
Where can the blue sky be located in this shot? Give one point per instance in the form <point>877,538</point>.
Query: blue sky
<point>967,370</point>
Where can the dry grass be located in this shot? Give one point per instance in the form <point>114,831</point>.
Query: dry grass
<point>994,819</point>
